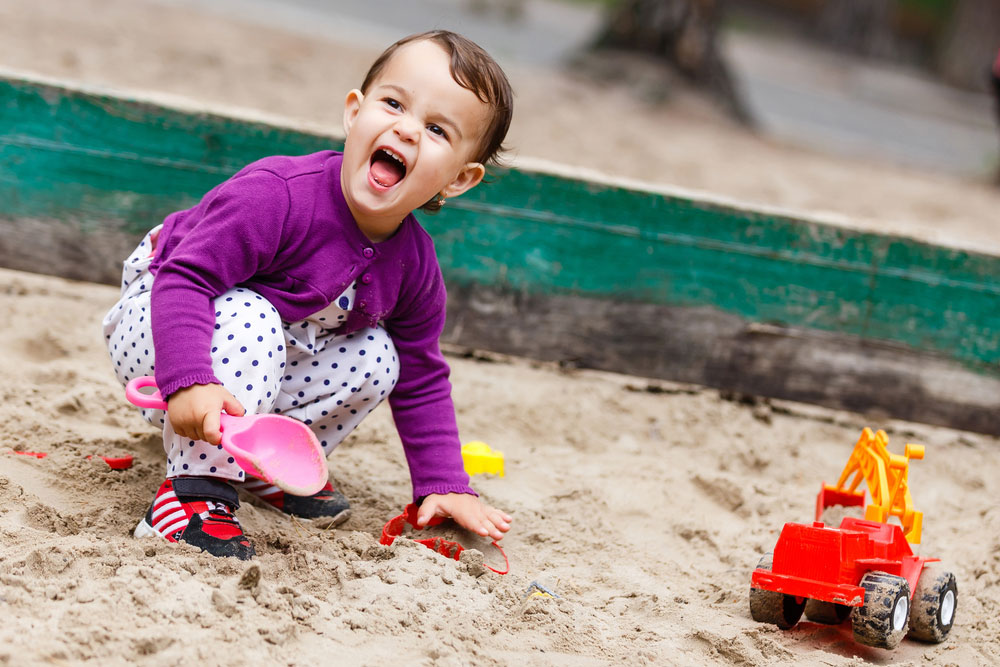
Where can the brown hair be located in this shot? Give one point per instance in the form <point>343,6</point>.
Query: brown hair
<point>473,69</point>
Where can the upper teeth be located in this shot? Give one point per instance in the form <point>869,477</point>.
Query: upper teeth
<point>395,157</point>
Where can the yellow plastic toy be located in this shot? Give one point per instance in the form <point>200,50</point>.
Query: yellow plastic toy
<point>886,474</point>
<point>536,590</point>
<point>478,457</point>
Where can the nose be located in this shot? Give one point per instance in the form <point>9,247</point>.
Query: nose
<point>407,129</point>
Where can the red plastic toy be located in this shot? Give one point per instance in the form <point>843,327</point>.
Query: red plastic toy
<point>123,462</point>
<point>864,569</point>
<point>394,528</point>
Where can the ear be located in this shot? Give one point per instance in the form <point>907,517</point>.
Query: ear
<point>469,177</point>
<point>352,106</point>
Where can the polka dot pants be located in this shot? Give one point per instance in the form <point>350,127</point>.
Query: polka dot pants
<point>299,369</point>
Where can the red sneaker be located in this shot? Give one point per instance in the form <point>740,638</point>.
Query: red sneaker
<point>327,508</point>
<point>198,511</point>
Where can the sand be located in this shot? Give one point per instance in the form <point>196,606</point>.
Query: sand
<point>643,505</point>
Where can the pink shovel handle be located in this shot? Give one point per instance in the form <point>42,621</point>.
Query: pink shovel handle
<point>136,397</point>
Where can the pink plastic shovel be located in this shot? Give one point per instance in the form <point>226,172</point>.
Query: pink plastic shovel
<point>277,449</point>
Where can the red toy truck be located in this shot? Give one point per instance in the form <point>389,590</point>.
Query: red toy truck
<point>865,568</point>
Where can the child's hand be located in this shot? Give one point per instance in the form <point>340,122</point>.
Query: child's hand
<point>468,511</point>
<point>194,411</point>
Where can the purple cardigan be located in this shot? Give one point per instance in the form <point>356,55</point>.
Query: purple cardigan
<point>281,227</point>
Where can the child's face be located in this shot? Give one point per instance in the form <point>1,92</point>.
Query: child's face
<point>411,137</point>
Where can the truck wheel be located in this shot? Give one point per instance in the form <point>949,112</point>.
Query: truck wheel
<point>934,603</point>
<point>884,617</point>
<point>772,607</point>
<point>830,613</point>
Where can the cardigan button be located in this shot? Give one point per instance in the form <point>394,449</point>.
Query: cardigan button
<point>367,279</point>
<point>368,252</point>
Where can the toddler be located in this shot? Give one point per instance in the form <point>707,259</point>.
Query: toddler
<point>305,286</point>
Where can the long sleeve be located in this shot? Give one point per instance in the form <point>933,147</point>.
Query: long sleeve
<point>421,401</point>
<point>237,231</point>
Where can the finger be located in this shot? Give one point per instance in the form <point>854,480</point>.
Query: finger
<point>210,428</point>
<point>494,513</point>
<point>493,531</point>
<point>498,525</point>
<point>469,520</point>
<point>426,512</point>
<point>233,407</point>
<point>474,519</point>
<point>499,522</point>
<point>499,519</point>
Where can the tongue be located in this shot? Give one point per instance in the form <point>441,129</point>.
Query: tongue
<point>386,173</point>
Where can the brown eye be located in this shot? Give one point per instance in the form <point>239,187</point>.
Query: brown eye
<point>438,130</point>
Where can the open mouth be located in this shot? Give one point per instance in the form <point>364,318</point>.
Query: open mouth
<point>386,168</point>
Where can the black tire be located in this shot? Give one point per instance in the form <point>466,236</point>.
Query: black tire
<point>883,620</point>
<point>934,603</point>
<point>771,607</point>
<point>830,613</point>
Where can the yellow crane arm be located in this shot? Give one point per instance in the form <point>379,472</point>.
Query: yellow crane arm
<point>886,474</point>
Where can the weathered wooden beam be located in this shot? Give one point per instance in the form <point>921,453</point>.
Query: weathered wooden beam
<point>551,263</point>
<point>706,346</point>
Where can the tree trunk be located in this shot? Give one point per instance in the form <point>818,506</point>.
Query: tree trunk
<point>971,43</point>
<point>862,27</point>
<point>682,33</point>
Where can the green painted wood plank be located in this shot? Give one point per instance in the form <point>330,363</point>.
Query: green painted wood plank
<point>95,156</point>
<point>763,267</point>
<point>98,159</point>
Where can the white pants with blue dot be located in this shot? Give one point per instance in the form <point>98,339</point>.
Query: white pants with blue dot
<point>300,369</point>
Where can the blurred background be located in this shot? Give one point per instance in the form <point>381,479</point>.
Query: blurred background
<point>877,111</point>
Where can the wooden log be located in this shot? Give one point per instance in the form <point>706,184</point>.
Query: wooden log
<point>702,345</point>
